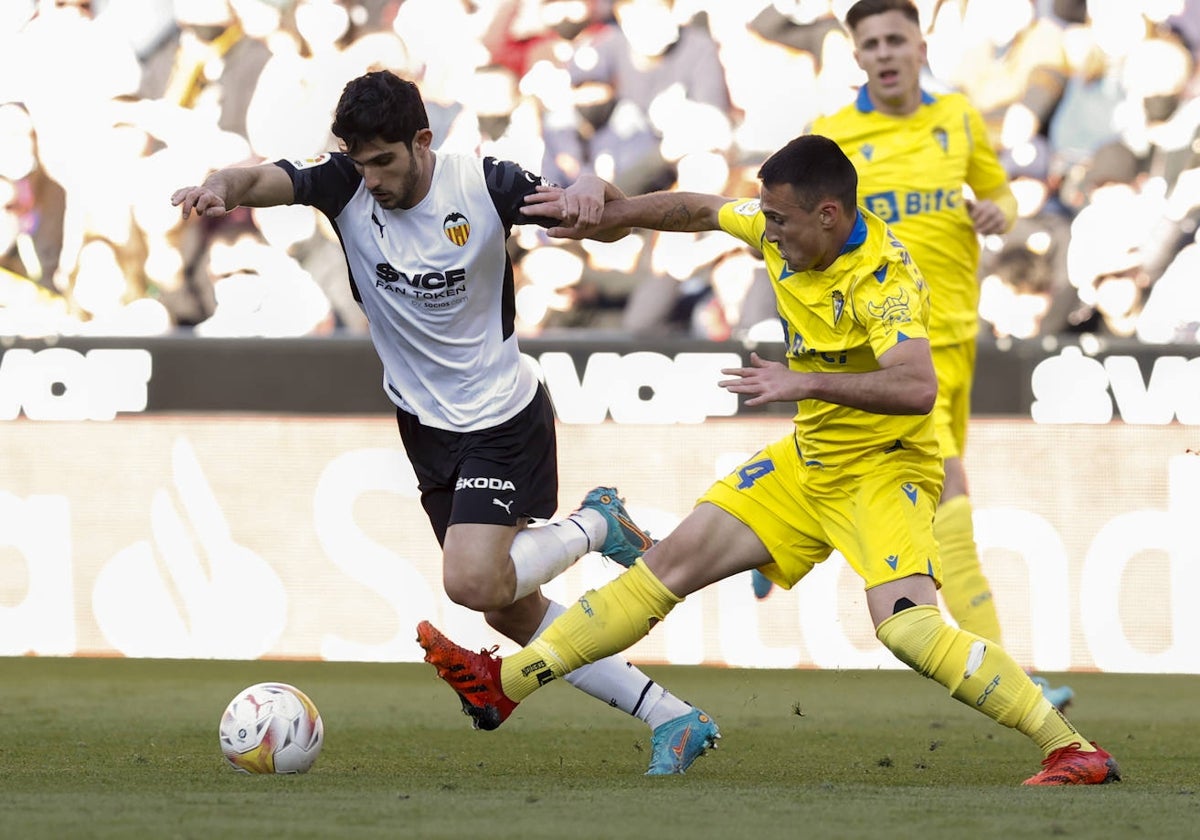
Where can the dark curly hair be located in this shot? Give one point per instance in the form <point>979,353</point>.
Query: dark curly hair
<point>379,105</point>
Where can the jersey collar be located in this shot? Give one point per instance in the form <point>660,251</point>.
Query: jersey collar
<point>866,106</point>
<point>858,234</point>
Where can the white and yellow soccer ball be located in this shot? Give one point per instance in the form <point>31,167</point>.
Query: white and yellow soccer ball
<point>271,728</point>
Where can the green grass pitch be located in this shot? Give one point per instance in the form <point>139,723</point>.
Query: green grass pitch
<point>115,748</point>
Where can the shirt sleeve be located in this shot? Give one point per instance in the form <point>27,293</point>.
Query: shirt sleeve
<point>326,182</point>
<point>743,218</point>
<point>892,303</point>
<point>985,173</point>
<point>508,184</point>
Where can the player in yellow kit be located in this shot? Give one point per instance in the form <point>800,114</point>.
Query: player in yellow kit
<point>859,472</point>
<point>914,152</point>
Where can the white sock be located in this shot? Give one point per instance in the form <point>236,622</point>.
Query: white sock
<point>618,683</point>
<point>543,552</point>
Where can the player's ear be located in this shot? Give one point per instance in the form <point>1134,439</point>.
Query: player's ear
<point>828,214</point>
<point>423,139</point>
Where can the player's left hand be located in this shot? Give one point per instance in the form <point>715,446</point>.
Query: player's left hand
<point>986,217</point>
<point>201,199</point>
<point>765,381</point>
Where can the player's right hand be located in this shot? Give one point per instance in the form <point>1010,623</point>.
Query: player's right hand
<point>201,199</point>
<point>545,202</point>
<point>550,202</point>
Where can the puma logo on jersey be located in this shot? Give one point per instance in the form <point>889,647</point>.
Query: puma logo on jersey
<point>506,505</point>
<point>377,222</point>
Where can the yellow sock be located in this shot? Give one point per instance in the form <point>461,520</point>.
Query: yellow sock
<point>603,622</point>
<point>967,592</point>
<point>978,673</point>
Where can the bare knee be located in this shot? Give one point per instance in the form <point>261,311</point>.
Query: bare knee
<point>478,586</point>
<point>477,572</point>
<point>475,594</point>
<point>895,596</point>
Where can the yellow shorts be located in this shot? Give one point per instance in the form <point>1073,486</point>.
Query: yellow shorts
<point>955,367</point>
<point>878,512</point>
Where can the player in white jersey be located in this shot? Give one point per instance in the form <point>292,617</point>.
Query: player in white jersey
<point>424,237</point>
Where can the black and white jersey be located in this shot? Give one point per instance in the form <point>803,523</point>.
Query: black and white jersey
<point>435,282</point>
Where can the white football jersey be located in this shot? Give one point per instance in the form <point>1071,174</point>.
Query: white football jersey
<point>435,282</point>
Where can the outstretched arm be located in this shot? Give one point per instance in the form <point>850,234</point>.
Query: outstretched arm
<point>264,185</point>
<point>904,384</point>
<point>666,210</point>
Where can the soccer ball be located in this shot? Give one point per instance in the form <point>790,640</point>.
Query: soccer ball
<point>271,728</point>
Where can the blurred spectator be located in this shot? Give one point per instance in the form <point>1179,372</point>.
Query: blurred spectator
<point>292,106</point>
<point>63,107</point>
<point>1162,73</point>
<point>523,32</point>
<point>507,122</point>
<point>304,234</point>
<point>1106,253</point>
<point>643,92</point>
<point>107,293</point>
<point>259,290</point>
<point>649,88</point>
<point>799,24</point>
<point>444,73</point>
<point>381,50</point>
<point>1185,22</point>
<point>26,308</point>
<point>1023,288</point>
<point>550,294</point>
<point>1171,314</point>
<point>35,201</point>
<point>1129,79</point>
<point>801,46</point>
<point>492,118</point>
<point>1009,61</point>
<point>737,302</point>
<point>212,58</point>
<point>701,284</point>
<point>1017,294</point>
<point>598,299</point>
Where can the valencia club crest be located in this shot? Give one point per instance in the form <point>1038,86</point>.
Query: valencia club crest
<point>457,228</point>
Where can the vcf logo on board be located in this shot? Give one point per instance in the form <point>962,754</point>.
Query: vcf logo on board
<point>457,228</point>
<point>59,383</point>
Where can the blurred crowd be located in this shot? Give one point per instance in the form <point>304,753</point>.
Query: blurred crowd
<point>106,106</point>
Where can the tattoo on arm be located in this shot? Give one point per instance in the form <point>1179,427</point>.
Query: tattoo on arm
<point>676,218</point>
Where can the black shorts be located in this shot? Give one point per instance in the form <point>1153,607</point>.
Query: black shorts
<point>496,476</point>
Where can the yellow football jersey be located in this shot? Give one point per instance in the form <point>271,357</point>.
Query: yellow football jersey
<point>911,172</point>
<point>842,320</point>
